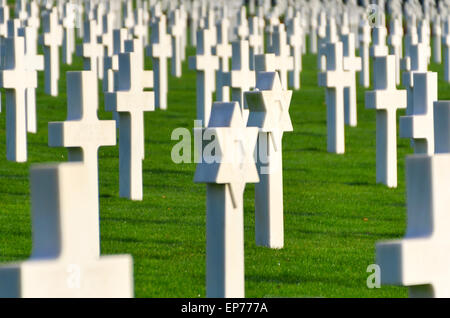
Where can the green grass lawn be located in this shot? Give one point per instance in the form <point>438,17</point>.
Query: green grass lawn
<point>334,210</point>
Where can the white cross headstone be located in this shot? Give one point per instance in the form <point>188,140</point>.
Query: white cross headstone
<point>269,111</point>
<point>83,133</point>
<point>364,44</point>
<point>224,52</point>
<point>34,63</point>
<point>242,29</point>
<point>419,124</point>
<point>91,50</point>
<point>107,37</point>
<point>395,40</point>
<point>241,79</point>
<point>51,40</point>
<point>255,40</point>
<point>295,39</point>
<point>16,78</point>
<point>352,64</point>
<point>66,260</point>
<point>160,50</point>
<point>421,259</point>
<point>386,99</point>
<point>176,32</point>
<point>68,23</point>
<point>285,62</point>
<point>226,174</point>
<point>130,101</point>
<point>206,66</point>
<point>111,63</point>
<point>437,35</point>
<point>335,79</point>
<point>379,47</point>
<point>416,62</point>
<point>140,29</point>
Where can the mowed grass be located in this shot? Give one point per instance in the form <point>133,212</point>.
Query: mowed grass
<point>334,210</point>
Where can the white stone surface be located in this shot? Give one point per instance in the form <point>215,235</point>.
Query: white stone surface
<point>65,261</point>
<point>269,111</point>
<point>386,99</point>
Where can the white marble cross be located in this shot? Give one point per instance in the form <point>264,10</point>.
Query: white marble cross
<point>160,50</point>
<point>223,51</point>
<point>335,79</point>
<point>416,62</point>
<point>68,23</point>
<point>379,47</point>
<point>418,125</point>
<point>424,36</point>
<point>421,259</point>
<point>33,63</point>
<point>255,40</point>
<point>364,44</point>
<point>51,41</point>
<point>242,29</point>
<point>176,32</point>
<point>65,260</point>
<point>437,38</point>
<point>206,66</point>
<point>111,63</point>
<point>411,37</point>
<point>331,36</point>
<point>285,62</point>
<point>241,79</point>
<point>129,21</point>
<point>91,50</point>
<point>226,174</point>
<point>386,99</point>
<point>295,39</point>
<point>130,101</point>
<point>16,78</point>
<point>83,133</point>
<point>140,29</point>
<point>395,40</point>
<point>352,64</point>
<point>107,37</point>
<point>269,111</point>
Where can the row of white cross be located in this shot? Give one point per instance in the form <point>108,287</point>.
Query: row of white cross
<point>253,117</point>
